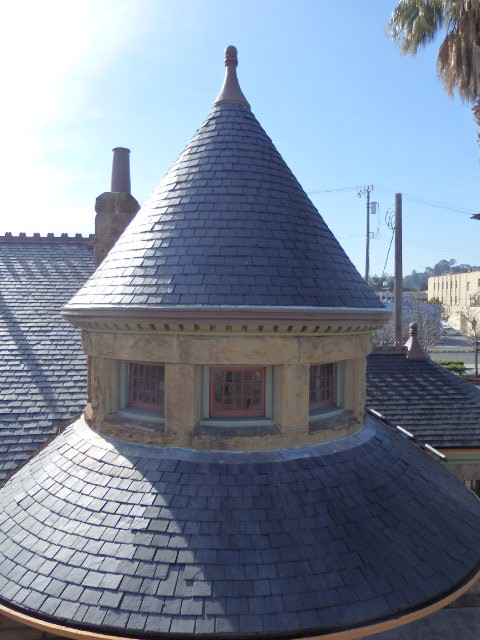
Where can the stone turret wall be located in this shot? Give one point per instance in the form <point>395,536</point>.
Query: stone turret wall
<point>185,358</point>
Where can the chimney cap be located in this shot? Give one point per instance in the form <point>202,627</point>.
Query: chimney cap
<point>121,170</point>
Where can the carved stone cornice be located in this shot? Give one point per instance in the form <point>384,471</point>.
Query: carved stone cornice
<point>263,320</point>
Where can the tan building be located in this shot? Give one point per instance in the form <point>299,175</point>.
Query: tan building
<point>459,294</point>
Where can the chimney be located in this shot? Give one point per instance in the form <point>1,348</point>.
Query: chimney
<point>115,209</point>
<point>121,170</point>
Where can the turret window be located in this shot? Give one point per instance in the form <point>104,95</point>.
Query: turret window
<point>141,390</point>
<point>146,388</point>
<point>236,396</point>
<point>238,391</point>
<point>321,386</point>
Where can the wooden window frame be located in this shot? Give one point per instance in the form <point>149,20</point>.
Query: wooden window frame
<point>243,412</point>
<point>323,377</point>
<point>203,400</point>
<point>122,402</point>
<point>138,373</point>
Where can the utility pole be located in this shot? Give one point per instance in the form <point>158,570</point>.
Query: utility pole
<point>366,191</point>
<point>398,288</point>
<point>476,343</point>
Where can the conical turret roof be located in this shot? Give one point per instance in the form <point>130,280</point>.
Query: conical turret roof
<point>229,225</point>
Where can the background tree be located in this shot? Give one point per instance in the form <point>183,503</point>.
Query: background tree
<point>425,314</point>
<point>473,332</point>
<point>415,23</point>
<point>381,283</point>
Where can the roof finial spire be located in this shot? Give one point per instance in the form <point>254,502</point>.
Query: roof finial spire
<point>415,351</point>
<point>230,93</point>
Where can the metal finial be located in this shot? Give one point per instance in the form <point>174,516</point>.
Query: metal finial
<point>413,329</point>
<point>230,93</point>
<point>231,56</point>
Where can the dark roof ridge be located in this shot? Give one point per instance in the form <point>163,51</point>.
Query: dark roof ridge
<point>398,349</point>
<point>22,237</point>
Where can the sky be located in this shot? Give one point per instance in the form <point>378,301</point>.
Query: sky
<point>341,103</point>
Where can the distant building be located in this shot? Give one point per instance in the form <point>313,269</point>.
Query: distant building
<point>388,296</point>
<point>459,293</point>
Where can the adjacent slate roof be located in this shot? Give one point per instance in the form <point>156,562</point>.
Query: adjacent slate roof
<point>425,398</point>
<point>102,534</point>
<point>42,365</point>
<point>228,225</point>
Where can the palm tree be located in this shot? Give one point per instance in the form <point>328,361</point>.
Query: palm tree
<point>415,23</point>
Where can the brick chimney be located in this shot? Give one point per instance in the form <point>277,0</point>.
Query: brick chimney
<point>115,209</point>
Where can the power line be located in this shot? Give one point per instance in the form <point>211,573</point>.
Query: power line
<point>436,204</point>
<point>354,188</point>
<point>388,252</point>
<point>428,202</point>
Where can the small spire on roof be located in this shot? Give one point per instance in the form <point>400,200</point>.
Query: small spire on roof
<point>230,93</point>
<point>415,351</point>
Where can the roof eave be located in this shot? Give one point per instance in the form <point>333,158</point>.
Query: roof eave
<point>105,633</point>
<point>339,316</point>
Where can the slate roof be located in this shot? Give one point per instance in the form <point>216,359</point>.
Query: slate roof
<point>228,225</point>
<point>42,365</point>
<point>99,533</point>
<point>423,397</point>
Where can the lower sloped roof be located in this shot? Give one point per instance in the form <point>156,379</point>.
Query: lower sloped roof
<point>42,365</point>
<point>119,538</point>
<point>425,398</point>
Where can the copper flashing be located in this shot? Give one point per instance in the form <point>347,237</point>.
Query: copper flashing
<point>230,93</point>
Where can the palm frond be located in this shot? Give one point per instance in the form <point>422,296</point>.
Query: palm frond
<point>415,23</point>
<point>458,61</point>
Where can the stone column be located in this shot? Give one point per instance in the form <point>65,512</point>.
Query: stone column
<point>180,399</point>
<point>292,397</point>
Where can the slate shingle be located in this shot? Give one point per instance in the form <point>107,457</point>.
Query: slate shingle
<point>436,405</point>
<point>42,365</point>
<point>302,541</point>
<point>228,225</point>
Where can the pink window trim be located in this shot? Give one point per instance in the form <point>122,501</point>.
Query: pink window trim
<point>146,391</point>
<point>225,412</point>
<point>321,386</point>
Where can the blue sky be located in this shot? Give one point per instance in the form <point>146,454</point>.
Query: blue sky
<point>338,99</point>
